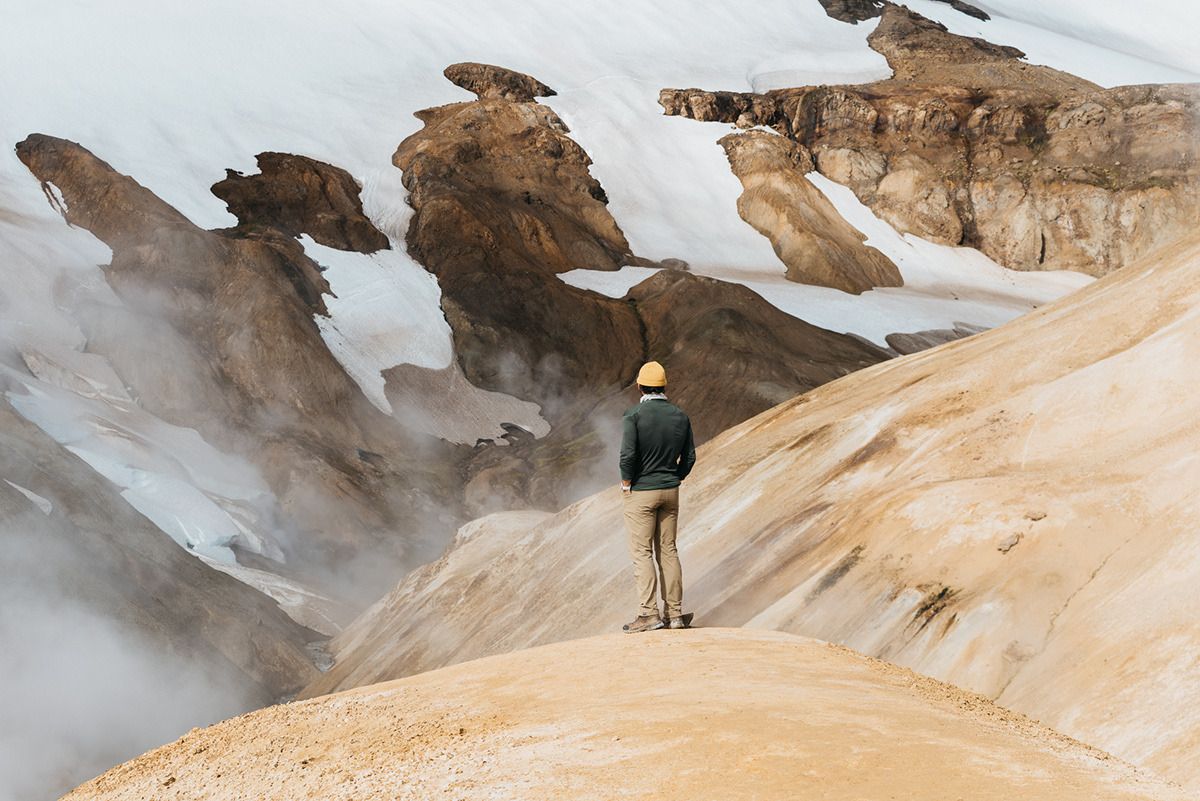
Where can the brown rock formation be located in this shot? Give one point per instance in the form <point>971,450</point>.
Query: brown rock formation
<point>489,82</point>
<point>905,343</point>
<point>856,11</point>
<point>815,243</point>
<point>298,195</point>
<point>969,145</point>
<point>853,11</point>
<point>733,354</point>
<point>503,202</point>
<point>217,334</point>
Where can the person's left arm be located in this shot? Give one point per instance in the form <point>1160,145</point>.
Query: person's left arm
<point>687,458</point>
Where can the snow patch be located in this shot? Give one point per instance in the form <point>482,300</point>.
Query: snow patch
<point>385,310</point>
<point>41,503</point>
<point>204,499</point>
<point>613,283</point>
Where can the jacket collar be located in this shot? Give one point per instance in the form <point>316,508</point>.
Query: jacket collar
<point>653,396</point>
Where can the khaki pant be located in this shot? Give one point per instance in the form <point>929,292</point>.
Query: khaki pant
<point>651,518</point>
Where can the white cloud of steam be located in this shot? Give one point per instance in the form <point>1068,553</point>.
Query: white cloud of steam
<point>81,691</point>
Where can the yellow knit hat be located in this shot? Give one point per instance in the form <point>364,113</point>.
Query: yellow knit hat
<point>652,374</point>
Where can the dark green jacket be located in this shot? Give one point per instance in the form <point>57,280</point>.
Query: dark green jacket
<point>657,450</point>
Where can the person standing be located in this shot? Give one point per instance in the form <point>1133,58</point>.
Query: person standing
<point>657,453</point>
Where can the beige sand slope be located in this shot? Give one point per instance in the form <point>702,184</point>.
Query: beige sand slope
<point>716,714</point>
<point>1016,513</point>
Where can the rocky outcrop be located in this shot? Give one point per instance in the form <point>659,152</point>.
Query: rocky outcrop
<point>969,145</point>
<point>905,343</point>
<point>489,82</point>
<point>733,354</point>
<point>217,333</point>
<point>812,240</point>
<point>967,8</point>
<point>503,201</point>
<point>856,11</point>
<point>853,11</point>
<point>298,195</point>
<point>580,720</point>
<point>954,511</point>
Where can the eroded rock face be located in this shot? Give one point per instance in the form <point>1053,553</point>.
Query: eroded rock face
<point>504,202</point>
<point>969,145</point>
<point>490,82</point>
<point>217,334</point>
<point>853,11</point>
<point>733,354</point>
<point>815,243</point>
<point>298,195</point>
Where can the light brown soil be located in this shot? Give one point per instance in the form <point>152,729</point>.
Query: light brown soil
<point>701,714</point>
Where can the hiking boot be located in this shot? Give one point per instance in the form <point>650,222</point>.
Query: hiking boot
<point>677,622</point>
<point>643,623</point>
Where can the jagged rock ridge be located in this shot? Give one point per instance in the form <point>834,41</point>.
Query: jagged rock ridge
<point>298,195</point>
<point>247,366</point>
<point>969,145</point>
<point>504,202</point>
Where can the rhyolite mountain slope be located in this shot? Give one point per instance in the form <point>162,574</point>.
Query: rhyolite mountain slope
<point>699,714</point>
<point>1013,513</point>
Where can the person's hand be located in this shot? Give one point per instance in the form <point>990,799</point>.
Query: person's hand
<point>626,486</point>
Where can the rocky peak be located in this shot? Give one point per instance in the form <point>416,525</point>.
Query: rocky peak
<point>489,82</point>
<point>856,11</point>
<point>299,195</point>
<point>245,365</point>
<point>853,11</point>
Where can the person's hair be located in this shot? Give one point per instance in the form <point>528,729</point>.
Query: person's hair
<point>650,390</point>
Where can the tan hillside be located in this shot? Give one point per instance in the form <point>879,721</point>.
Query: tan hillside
<point>1014,513</point>
<point>674,715</point>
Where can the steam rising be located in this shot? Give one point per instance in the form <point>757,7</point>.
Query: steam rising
<point>82,690</point>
